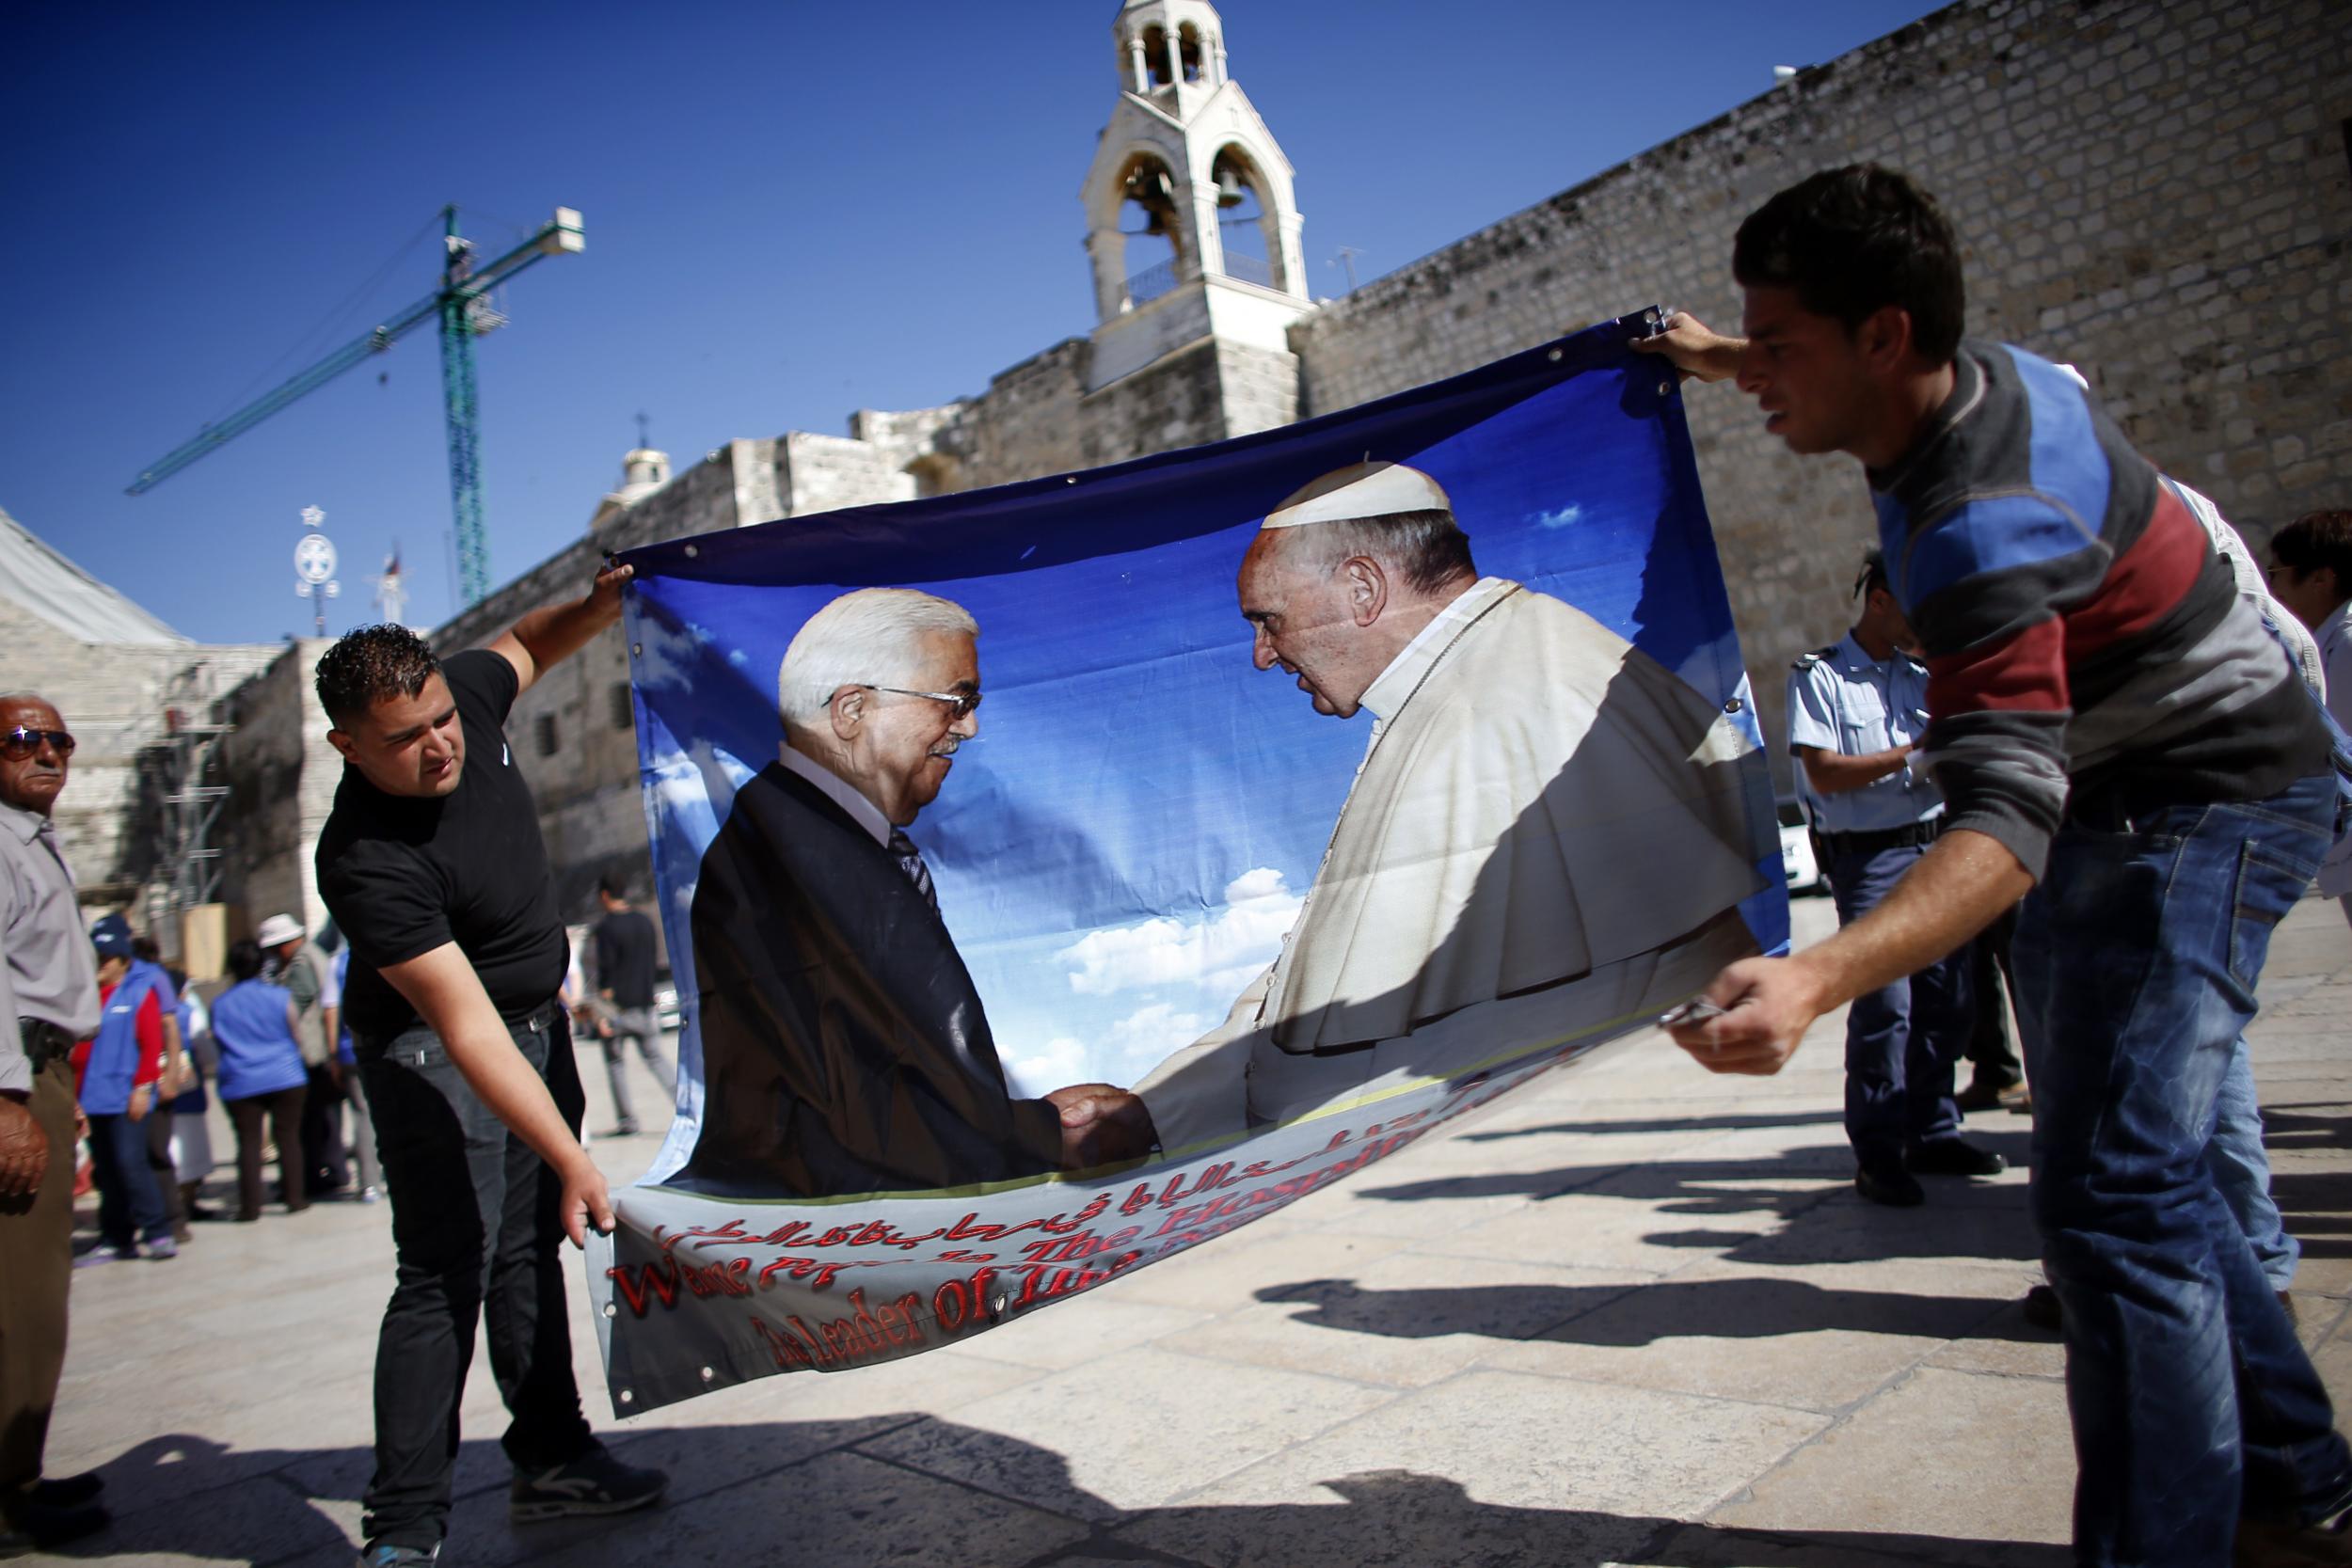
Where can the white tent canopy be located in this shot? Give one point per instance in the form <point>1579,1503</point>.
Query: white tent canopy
<point>46,584</point>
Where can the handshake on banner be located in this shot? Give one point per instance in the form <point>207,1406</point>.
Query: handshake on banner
<point>1102,1125</point>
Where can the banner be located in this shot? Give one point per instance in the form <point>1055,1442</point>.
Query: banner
<point>1317,786</point>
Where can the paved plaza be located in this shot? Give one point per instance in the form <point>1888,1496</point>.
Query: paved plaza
<point>1637,1316</point>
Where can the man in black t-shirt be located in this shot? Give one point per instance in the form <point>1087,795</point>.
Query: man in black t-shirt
<point>625,961</point>
<point>432,865</point>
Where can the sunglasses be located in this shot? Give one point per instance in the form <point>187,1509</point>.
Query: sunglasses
<point>23,741</point>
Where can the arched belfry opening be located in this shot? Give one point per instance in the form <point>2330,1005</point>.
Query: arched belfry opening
<point>1151,231</point>
<point>1248,234</point>
<point>1162,45</point>
<point>1191,224</point>
<point>1190,61</point>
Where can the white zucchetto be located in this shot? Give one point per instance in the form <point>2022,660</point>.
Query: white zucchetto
<point>1360,490</point>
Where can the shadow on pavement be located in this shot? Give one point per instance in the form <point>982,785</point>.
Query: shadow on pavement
<point>1670,1124</point>
<point>1718,1309</point>
<point>806,1493</point>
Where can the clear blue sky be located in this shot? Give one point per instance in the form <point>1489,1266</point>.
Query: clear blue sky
<point>792,211</point>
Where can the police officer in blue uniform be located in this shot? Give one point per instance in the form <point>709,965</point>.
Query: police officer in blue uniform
<point>1856,711</point>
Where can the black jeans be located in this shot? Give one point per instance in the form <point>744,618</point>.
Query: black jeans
<point>284,1109</point>
<point>323,1167</point>
<point>474,1225</point>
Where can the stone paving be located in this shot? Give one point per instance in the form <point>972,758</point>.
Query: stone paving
<point>1637,1316</point>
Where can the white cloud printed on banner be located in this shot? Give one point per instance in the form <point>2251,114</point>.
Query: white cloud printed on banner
<point>1221,952</point>
<point>665,655</point>
<point>1173,980</point>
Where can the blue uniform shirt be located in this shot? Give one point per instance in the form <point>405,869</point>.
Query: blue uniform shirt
<point>1843,701</point>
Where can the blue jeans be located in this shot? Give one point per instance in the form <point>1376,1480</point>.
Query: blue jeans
<point>2137,958</point>
<point>2241,1168</point>
<point>130,1210</point>
<point>1903,1041</point>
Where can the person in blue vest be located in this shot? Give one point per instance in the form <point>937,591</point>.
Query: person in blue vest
<point>118,1091</point>
<point>1856,710</point>
<point>261,1075</point>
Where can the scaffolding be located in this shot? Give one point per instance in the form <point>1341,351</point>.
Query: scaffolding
<point>188,862</point>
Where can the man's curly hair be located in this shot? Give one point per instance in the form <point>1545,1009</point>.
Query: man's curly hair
<point>368,665</point>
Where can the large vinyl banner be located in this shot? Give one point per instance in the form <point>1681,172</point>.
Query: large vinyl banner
<point>1329,783</point>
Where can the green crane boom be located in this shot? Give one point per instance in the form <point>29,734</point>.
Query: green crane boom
<point>464,313</point>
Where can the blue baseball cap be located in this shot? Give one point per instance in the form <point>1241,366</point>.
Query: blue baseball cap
<point>111,936</point>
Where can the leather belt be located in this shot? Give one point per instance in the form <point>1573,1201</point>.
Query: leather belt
<point>43,1041</point>
<point>1871,843</point>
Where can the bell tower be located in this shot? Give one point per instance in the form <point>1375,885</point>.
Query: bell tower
<point>1192,228</point>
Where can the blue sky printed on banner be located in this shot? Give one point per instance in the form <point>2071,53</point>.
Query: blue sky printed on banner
<point>1121,849</point>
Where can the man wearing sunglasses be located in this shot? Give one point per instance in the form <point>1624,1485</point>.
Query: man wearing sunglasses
<point>49,990</point>
<point>844,1047</point>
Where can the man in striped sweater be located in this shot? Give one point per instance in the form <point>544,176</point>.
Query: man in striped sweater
<point>2123,745</point>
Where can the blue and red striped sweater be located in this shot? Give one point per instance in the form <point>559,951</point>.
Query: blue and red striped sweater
<point>2086,646</point>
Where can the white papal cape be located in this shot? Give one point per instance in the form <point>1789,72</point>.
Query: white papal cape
<point>1540,802</point>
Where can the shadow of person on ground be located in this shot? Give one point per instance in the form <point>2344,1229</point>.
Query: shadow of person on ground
<point>1731,1123</point>
<point>1718,1309</point>
<point>907,1489</point>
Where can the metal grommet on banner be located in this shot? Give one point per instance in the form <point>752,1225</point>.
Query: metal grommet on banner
<point>1554,357</point>
<point>625,1396</point>
<point>694,552</point>
<point>997,1306</point>
<point>612,1310</point>
<point>637,649</point>
<point>1734,705</point>
<point>708,1375</point>
<point>1666,387</point>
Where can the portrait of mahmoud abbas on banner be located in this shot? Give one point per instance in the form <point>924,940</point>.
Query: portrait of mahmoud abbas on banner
<point>845,1049</point>
<point>1548,835</point>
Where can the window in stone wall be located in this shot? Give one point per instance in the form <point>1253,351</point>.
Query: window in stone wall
<point>623,717</point>
<point>544,727</point>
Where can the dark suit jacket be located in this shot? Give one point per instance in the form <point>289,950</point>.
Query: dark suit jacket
<point>844,1048</point>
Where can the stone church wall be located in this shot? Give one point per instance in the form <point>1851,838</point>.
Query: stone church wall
<point>2159,193</point>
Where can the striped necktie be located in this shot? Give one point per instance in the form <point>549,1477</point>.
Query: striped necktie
<point>911,862</point>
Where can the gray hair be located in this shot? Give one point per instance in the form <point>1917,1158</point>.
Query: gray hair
<point>864,638</point>
<point>1428,549</point>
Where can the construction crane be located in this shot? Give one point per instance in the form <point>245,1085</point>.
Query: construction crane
<point>462,308</point>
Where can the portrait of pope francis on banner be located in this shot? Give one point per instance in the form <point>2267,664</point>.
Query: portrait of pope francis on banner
<point>1543,812</point>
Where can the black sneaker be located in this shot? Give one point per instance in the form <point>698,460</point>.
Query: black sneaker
<point>74,1491</point>
<point>595,1482</point>
<point>388,1554</point>
<point>1889,1184</point>
<point>2327,1540</point>
<point>2042,1310</point>
<point>30,1527</point>
<point>1953,1157</point>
